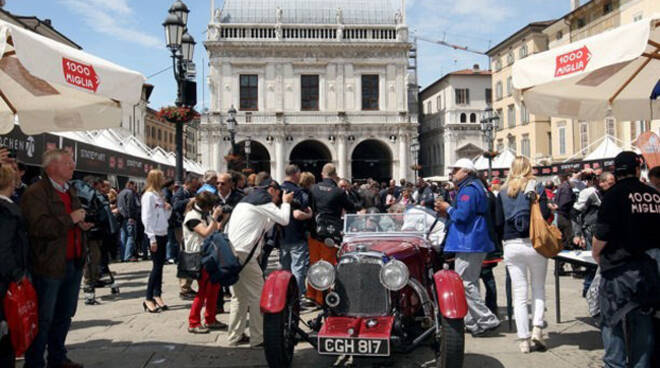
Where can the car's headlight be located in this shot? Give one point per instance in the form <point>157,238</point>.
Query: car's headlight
<point>394,275</point>
<point>321,275</point>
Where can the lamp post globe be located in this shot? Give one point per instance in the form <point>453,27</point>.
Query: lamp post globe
<point>173,31</point>
<point>187,46</point>
<point>180,10</point>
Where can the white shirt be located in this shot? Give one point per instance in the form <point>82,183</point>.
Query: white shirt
<point>154,215</point>
<point>6,198</point>
<point>248,222</point>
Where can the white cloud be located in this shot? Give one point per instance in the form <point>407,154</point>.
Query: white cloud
<point>111,18</point>
<point>118,6</point>
<point>484,10</point>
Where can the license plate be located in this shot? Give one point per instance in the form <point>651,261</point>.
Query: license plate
<point>353,346</point>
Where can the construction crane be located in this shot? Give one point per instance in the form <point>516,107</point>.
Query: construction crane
<point>447,44</point>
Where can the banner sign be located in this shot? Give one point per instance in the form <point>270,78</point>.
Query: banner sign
<point>80,75</point>
<point>28,148</point>
<point>90,158</point>
<point>572,62</point>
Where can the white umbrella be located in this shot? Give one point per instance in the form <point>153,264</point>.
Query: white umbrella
<point>609,74</point>
<point>53,87</point>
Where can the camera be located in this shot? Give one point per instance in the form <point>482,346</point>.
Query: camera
<point>296,205</point>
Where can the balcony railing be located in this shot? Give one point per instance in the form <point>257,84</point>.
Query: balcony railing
<point>317,118</point>
<point>305,32</point>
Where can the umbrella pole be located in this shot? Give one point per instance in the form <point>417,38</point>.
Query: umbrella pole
<point>6,100</point>
<point>636,73</point>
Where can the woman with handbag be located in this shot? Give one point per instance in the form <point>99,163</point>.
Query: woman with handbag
<point>14,248</point>
<point>155,217</point>
<point>514,203</point>
<point>198,224</point>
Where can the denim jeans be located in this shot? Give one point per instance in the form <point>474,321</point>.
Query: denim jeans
<point>155,283</point>
<point>172,251</point>
<point>640,328</point>
<point>294,257</point>
<point>128,240</point>
<point>58,299</point>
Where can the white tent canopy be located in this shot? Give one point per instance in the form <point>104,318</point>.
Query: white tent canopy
<point>608,148</point>
<point>502,161</point>
<point>50,86</point>
<point>610,74</point>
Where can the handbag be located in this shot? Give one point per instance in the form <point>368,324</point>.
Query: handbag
<point>219,260</point>
<point>545,238</point>
<point>190,266</point>
<point>21,311</point>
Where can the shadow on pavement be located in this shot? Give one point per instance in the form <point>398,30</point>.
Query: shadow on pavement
<point>585,340</point>
<point>93,323</point>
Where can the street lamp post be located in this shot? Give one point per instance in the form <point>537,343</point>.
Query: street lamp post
<point>488,124</point>
<point>414,149</point>
<point>231,127</point>
<point>182,47</point>
<point>248,150</point>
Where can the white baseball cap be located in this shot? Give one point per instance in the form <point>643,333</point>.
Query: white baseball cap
<point>464,163</point>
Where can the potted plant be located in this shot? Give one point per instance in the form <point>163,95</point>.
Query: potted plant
<point>176,115</point>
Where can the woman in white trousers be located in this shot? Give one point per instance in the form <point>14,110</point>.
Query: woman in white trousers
<point>526,266</point>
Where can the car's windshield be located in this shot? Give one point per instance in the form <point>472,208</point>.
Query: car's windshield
<point>410,221</point>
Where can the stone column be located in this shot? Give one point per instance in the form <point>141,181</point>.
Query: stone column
<point>342,161</point>
<point>404,145</point>
<point>279,159</point>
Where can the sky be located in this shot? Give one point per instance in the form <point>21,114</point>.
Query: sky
<point>130,32</point>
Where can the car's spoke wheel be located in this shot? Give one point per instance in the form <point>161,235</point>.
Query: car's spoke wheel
<point>279,331</point>
<point>450,347</point>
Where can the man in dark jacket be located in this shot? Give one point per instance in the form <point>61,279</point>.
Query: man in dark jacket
<point>565,199</point>
<point>55,220</point>
<point>330,200</point>
<point>180,200</point>
<point>129,208</point>
<point>627,249</point>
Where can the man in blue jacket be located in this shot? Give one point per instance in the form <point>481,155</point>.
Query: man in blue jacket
<point>469,239</point>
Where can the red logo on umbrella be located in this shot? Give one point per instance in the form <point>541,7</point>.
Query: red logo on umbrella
<point>80,75</point>
<point>572,62</point>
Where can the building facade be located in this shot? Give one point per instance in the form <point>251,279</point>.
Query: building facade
<point>313,82</point>
<point>574,139</point>
<point>521,132</point>
<point>450,126</point>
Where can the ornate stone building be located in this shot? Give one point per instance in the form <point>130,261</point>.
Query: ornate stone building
<point>450,126</point>
<point>313,82</point>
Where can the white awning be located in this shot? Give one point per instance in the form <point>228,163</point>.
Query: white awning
<point>610,74</point>
<point>54,87</point>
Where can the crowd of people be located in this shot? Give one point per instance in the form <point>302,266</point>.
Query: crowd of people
<point>57,230</point>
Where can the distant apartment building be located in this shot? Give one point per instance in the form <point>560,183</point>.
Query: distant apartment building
<point>519,131</point>
<point>450,124</point>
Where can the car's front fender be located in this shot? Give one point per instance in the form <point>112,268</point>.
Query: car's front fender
<point>450,293</point>
<point>274,293</point>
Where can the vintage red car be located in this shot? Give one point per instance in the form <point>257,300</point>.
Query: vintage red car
<point>387,294</point>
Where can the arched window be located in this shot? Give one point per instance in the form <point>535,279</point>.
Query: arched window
<point>463,118</point>
<point>473,118</point>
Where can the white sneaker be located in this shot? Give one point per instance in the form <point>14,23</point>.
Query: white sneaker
<point>537,338</point>
<point>525,346</point>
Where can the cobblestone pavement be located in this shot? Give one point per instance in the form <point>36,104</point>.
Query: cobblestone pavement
<point>117,333</point>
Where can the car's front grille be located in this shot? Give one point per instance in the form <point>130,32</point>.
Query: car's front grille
<point>359,289</point>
